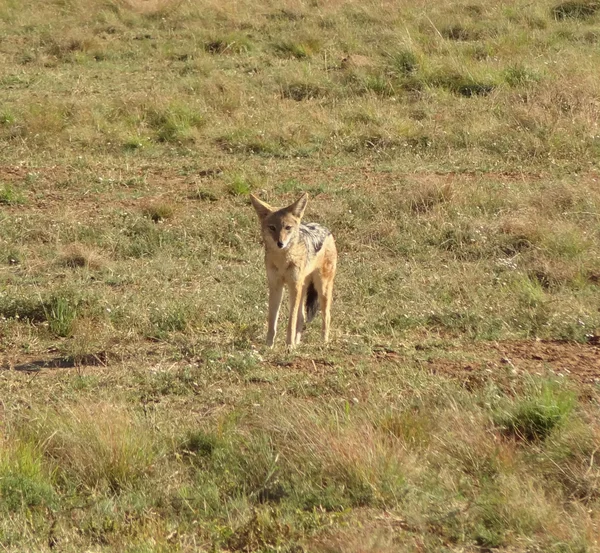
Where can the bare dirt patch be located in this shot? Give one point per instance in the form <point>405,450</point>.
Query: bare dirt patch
<point>578,362</point>
<point>472,363</point>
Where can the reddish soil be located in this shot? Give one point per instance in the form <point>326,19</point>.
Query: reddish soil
<point>473,365</point>
<point>578,362</point>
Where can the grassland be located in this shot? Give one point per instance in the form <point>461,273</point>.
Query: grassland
<point>453,149</point>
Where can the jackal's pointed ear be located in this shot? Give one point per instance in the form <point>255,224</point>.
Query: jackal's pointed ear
<point>298,207</point>
<point>262,209</point>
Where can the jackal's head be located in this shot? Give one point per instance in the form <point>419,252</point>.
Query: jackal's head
<point>280,227</point>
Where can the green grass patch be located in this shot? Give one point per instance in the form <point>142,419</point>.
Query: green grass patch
<point>520,76</point>
<point>176,123</point>
<point>231,43</point>
<point>24,485</point>
<point>9,195</point>
<point>61,313</point>
<point>240,185</point>
<point>297,49</point>
<point>534,417</point>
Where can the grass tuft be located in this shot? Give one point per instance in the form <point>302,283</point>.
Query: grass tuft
<point>297,49</point>
<point>23,483</point>
<point>460,32</point>
<point>199,444</point>
<point>9,195</point>
<point>96,446</point>
<point>262,532</point>
<point>425,197</point>
<point>464,85</point>
<point>575,10</point>
<point>61,312</point>
<point>80,256</point>
<point>158,211</point>
<point>174,318</point>
<point>404,63</point>
<point>176,123</point>
<point>141,238</point>
<point>232,43</point>
<point>520,76</point>
<point>240,185</point>
<point>536,416</point>
<point>300,91</point>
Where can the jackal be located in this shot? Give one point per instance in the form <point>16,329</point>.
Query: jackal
<point>303,257</point>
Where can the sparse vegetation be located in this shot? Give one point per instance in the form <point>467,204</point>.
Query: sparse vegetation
<point>158,211</point>
<point>9,195</point>
<point>452,148</point>
<point>536,415</point>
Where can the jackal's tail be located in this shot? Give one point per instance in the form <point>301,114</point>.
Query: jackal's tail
<point>312,302</point>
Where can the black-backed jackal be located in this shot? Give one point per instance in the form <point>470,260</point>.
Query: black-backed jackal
<point>301,256</point>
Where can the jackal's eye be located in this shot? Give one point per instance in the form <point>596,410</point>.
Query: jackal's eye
<point>288,227</point>
<point>272,227</point>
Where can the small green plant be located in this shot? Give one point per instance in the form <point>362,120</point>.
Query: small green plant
<point>176,123</point>
<point>158,211</point>
<point>173,318</point>
<point>379,84</point>
<point>135,142</point>
<point>240,186</point>
<point>9,195</point>
<point>141,238</point>
<point>23,484</point>
<point>199,444</point>
<point>518,75</point>
<point>533,417</point>
<point>404,63</point>
<point>6,118</point>
<point>490,526</point>
<point>297,49</point>
<point>61,313</point>
<point>232,43</point>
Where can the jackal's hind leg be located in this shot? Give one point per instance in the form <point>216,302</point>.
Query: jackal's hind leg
<point>325,297</point>
<point>324,285</point>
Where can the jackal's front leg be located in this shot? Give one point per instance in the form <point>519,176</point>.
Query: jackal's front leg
<point>295,289</point>
<point>275,295</point>
<point>300,320</point>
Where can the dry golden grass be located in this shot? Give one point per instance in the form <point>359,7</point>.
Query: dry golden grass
<point>76,256</point>
<point>98,446</point>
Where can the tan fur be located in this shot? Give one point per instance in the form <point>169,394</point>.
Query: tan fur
<point>289,262</point>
